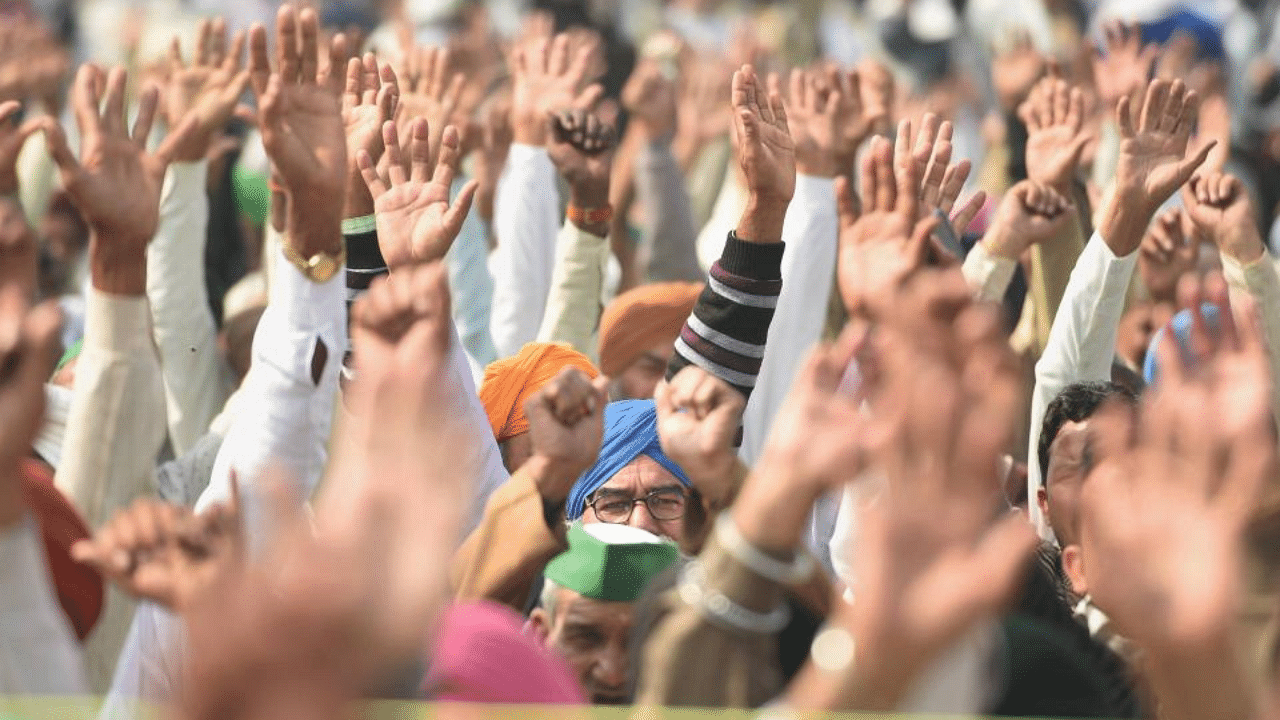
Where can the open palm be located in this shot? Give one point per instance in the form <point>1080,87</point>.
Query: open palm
<point>767,151</point>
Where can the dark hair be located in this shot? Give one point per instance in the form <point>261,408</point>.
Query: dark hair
<point>1076,403</point>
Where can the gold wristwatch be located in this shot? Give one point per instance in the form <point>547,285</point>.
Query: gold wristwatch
<point>320,267</point>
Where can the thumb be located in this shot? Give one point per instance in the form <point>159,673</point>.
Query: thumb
<point>56,138</point>
<point>846,206</point>
<point>1188,167</point>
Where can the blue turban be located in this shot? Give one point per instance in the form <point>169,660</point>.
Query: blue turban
<point>630,430</point>
<point>1181,325</point>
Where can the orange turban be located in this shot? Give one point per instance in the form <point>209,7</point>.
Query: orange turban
<point>642,318</point>
<point>79,587</point>
<point>509,383</point>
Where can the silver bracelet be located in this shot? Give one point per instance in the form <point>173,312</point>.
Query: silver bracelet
<point>718,607</point>
<point>740,549</point>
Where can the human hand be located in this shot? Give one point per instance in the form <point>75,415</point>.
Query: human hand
<point>1056,136</point>
<point>825,119</point>
<point>698,420</point>
<point>940,182</point>
<point>1016,70</point>
<point>650,97</point>
<point>416,221</point>
<point>1177,593</point>
<point>19,251</point>
<point>207,89</point>
<point>28,343</point>
<point>887,239</point>
<point>121,223</point>
<point>705,108</point>
<point>1124,69</point>
<point>495,145</point>
<point>549,79</point>
<point>1030,213</point>
<point>165,553</point>
<point>934,555</point>
<point>566,425</point>
<point>877,91</point>
<point>12,137</point>
<point>1170,250</point>
<point>432,90</point>
<point>766,154</point>
<point>582,147</point>
<point>1153,162</point>
<point>302,130</point>
<point>369,101</point>
<point>1220,208</point>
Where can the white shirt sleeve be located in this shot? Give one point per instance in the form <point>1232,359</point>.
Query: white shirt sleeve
<point>1261,281</point>
<point>39,654</point>
<point>526,218</point>
<point>810,233</point>
<point>989,276</point>
<point>1081,345</point>
<point>286,423</point>
<point>194,381</point>
<point>573,305</point>
<point>472,290</point>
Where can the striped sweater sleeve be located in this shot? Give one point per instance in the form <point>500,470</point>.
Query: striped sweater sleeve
<point>727,331</point>
<point>364,259</point>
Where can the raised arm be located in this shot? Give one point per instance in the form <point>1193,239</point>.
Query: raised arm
<point>207,89</point>
<point>116,424</point>
<point>727,331</point>
<point>527,211</point>
<point>582,147</point>
<point>1153,164</point>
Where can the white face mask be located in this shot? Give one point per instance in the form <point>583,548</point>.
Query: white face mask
<point>57,407</point>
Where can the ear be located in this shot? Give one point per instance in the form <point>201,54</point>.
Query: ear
<point>538,624</point>
<point>1042,500</point>
<point>1073,567</point>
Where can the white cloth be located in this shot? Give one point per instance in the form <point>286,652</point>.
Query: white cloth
<point>57,407</point>
<point>1081,345</point>
<point>987,275</point>
<point>573,305</point>
<point>526,218</point>
<point>810,232</point>
<point>195,380</point>
<point>728,208</point>
<point>472,289</point>
<point>39,654</point>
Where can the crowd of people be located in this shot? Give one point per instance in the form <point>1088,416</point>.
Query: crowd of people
<point>818,356</point>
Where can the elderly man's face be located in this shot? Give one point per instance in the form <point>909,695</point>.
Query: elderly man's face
<point>641,378</point>
<point>640,478</point>
<point>1061,499</point>
<point>592,636</point>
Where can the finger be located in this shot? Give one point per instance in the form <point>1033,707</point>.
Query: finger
<point>113,119</point>
<point>447,165</point>
<point>953,183</point>
<point>1219,295</point>
<point>370,174</point>
<point>309,61</point>
<point>1188,166</point>
<point>395,157</point>
<point>460,208</point>
<point>59,150</point>
<point>1153,106</point>
<point>420,151</point>
<point>148,103</point>
<point>902,144</point>
<point>201,58</point>
<point>218,42</point>
<point>175,55</point>
<point>353,89</point>
<point>963,219</point>
<point>1124,118</point>
<point>370,80</point>
<point>846,209</point>
<point>1173,108</point>
<point>287,45</point>
<point>235,57</point>
<point>886,188</point>
<point>259,60</point>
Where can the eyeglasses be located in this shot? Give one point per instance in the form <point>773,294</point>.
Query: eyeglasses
<point>664,504</point>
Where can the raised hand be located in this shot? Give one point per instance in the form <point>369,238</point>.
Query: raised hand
<point>877,92</point>
<point>369,101</point>
<point>1016,70</point>
<point>698,420</point>
<point>816,115</point>
<point>162,552</point>
<point>495,145</point>
<point>566,425</point>
<point>1029,214</point>
<point>1124,69</point>
<point>19,248</point>
<point>550,77</point>
<point>112,159</point>
<point>301,123</point>
<point>12,137</point>
<point>207,89</point>
<point>582,147</point>
<point>432,90</point>
<point>1170,250</point>
<point>940,182</point>
<point>416,221</point>
<point>28,341</point>
<point>885,241</point>
<point>650,97</point>
<point>1054,116</point>
<point>933,554</point>
<point>767,155</point>
<point>1177,594</point>
<point>1153,162</point>
<point>705,110</point>
<point>1220,208</point>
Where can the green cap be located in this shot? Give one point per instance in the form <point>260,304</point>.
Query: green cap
<point>610,562</point>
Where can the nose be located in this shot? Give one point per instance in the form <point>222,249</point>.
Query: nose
<point>640,518</point>
<point>611,669</point>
